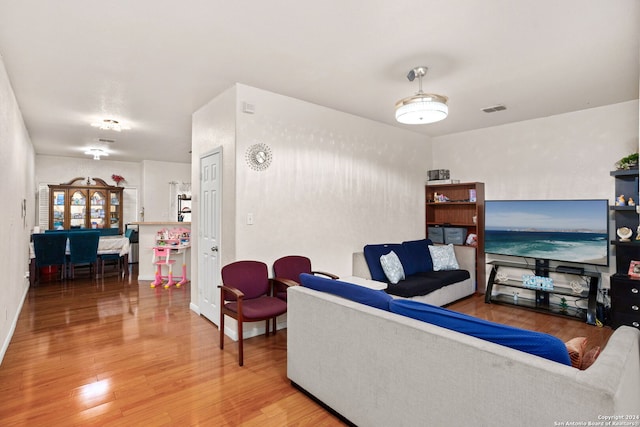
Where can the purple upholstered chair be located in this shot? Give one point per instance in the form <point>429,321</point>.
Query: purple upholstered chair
<point>245,295</point>
<point>290,268</point>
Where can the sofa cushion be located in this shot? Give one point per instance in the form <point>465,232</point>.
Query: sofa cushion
<point>444,257</point>
<point>360,294</point>
<point>417,256</point>
<point>372,254</point>
<point>426,282</point>
<point>392,267</point>
<point>536,343</point>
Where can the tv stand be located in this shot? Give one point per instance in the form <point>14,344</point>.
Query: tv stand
<point>561,300</point>
<point>569,269</point>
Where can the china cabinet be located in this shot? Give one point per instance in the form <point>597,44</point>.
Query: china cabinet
<point>85,203</point>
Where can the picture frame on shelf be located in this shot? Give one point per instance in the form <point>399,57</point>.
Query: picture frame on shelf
<point>634,269</point>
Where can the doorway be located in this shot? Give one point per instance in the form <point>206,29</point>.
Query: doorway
<point>209,235</point>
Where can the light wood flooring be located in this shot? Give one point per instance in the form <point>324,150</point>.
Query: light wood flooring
<point>115,352</point>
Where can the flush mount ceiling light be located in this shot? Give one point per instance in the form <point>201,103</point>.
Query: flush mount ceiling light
<point>110,124</point>
<point>96,153</point>
<point>421,108</point>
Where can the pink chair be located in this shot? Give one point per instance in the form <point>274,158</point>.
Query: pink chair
<point>162,257</point>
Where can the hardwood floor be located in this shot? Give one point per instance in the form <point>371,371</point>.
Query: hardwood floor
<point>116,352</point>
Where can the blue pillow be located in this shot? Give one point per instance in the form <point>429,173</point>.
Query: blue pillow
<point>372,254</point>
<point>417,257</point>
<point>370,297</point>
<point>536,343</point>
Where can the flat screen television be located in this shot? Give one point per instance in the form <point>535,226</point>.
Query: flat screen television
<point>553,230</point>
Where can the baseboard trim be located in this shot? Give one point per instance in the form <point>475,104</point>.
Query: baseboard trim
<point>7,341</point>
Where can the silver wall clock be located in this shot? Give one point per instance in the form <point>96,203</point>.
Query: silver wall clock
<point>259,156</point>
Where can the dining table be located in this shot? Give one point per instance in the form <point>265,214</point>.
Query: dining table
<point>106,245</point>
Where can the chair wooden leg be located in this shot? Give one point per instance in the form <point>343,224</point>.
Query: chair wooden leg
<point>240,344</point>
<point>221,330</point>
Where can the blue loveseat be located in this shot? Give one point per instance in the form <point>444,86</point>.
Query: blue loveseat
<point>422,283</point>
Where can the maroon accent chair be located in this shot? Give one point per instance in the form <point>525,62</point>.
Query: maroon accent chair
<point>288,269</point>
<point>245,295</point>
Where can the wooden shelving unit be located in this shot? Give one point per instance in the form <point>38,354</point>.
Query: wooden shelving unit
<point>625,290</point>
<point>459,211</point>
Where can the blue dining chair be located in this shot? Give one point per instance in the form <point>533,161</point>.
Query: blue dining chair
<point>50,251</point>
<point>83,249</point>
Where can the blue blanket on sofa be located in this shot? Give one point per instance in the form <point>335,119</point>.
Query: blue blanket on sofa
<point>536,343</point>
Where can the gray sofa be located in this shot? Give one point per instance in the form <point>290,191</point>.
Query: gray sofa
<point>466,257</point>
<point>377,368</point>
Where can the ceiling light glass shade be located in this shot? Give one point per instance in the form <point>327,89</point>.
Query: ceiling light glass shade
<point>422,108</point>
<point>110,124</point>
<point>96,153</point>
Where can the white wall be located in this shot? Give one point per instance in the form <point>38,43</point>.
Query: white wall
<point>559,157</point>
<point>150,179</point>
<point>155,197</point>
<point>336,183</point>
<point>57,170</point>
<point>567,156</point>
<point>18,201</point>
<point>214,126</point>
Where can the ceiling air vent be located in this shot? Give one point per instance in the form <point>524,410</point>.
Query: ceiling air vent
<point>494,108</point>
<point>110,141</point>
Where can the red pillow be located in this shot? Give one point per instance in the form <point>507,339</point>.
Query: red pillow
<point>580,358</point>
<point>590,357</point>
<point>576,348</point>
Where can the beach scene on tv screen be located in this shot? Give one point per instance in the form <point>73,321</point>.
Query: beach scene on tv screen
<point>562,230</point>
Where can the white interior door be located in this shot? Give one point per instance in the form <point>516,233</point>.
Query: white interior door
<point>209,235</point>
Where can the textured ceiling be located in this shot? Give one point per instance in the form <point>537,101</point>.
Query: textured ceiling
<point>151,64</point>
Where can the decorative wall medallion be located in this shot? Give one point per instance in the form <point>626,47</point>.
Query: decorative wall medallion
<point>259,156</point>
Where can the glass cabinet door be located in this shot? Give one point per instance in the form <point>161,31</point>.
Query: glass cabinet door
<point>114,210</point>
<point>58,209</point>
<point>78,209</point>
<point>98,202</point>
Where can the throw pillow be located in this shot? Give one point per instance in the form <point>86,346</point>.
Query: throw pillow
<point>444,257</point>
<point>372,254</point>
<point>576,348</point>
<point>392,267</point>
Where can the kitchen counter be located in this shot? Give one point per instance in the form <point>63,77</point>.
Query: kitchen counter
<point>147,232</point>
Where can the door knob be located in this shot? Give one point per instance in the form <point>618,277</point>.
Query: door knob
<point>214,249</point>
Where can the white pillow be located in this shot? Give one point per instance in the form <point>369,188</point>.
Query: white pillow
<point>392,267</point>
<point>444,257</point>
